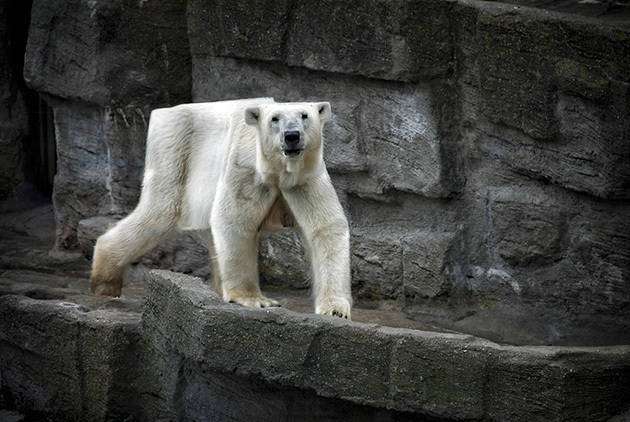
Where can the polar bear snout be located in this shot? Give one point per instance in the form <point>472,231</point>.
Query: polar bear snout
<point>293,142</point>
<point>292,138</point>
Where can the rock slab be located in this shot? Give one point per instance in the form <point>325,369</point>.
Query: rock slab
<point>451,376</point>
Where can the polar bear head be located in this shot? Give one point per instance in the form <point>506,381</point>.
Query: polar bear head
<point>289,133</point>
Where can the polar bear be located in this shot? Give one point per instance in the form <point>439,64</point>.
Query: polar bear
<point>234,168</point>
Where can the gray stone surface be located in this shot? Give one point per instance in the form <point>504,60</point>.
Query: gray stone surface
<point>81,182</point>
<point>448,376</point>
<point>104,65</point>
<point>282,259</point>
<point>480,149</point>
<point>109,52</point>
<point>13,117</point>
<point>527,229</point>
<point>388,129</point>
<point>64,354</point>
<point>376,266</point>
<point>68,355</point>
<point>562,83</point>
<point>427,263</point>
<point>169,349</point>
<point>78,357</point>
<point>61,359</point>
<point>396,40</point>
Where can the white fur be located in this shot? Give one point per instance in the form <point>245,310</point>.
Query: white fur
<point>222,166</point>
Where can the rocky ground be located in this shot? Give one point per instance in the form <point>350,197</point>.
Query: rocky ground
<point>30,266</point>
<point>59,342</point>
<point>170,349</point>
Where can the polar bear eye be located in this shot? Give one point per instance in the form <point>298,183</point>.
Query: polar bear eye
<point>304,116</point>
<point>274,119</point>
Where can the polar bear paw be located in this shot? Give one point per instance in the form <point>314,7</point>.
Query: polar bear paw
<point>106,287</point>
<point>252,301</point>
<point>336,306</point>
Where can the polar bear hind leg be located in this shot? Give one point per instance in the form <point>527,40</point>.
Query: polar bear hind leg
<point>158,209</point>
<point>123,244</point>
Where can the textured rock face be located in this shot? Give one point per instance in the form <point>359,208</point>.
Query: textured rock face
<point>100,159</point>
<point>427,263</point>
<point>13,118</point>
<point>107,65</point>
<point>443,150</point>
<point>447,376</point>
<point>480,150</point>
<point>376,266</point>
<point>563,85</point>
<point>81,182</point>
<point>411,39</point>
<point>282,259</point>
<point>170,349</point>
<point>526,232</point>
<point>74,368</point>
<point>109,52</point>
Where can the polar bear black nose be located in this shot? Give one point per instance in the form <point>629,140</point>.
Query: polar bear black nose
<point>292,137</point>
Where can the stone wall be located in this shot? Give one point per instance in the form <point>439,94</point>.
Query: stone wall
<point>175,351</point>
<point>481,151</point>
<point>104,66</point>
<point>13,117</point>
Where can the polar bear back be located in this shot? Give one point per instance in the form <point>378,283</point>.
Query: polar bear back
<point>205,131</point>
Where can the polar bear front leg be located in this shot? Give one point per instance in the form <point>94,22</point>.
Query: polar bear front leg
<point>235,237</point>
<point>320,216</point>
<point>237,255</point>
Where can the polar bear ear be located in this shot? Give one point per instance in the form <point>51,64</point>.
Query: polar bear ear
<point>252,115</point>
<point>324,111</point>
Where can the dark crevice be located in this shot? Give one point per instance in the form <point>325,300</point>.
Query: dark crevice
<point>38,143</point>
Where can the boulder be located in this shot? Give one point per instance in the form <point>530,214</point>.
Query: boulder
<point>61,359</point>
<point>449,376</point>
<point>103,52</point>
<point>427,260</point>
<point>376,266</point>
<point>402,41</point>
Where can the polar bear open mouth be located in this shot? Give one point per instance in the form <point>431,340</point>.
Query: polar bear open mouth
<point>294,152</point>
